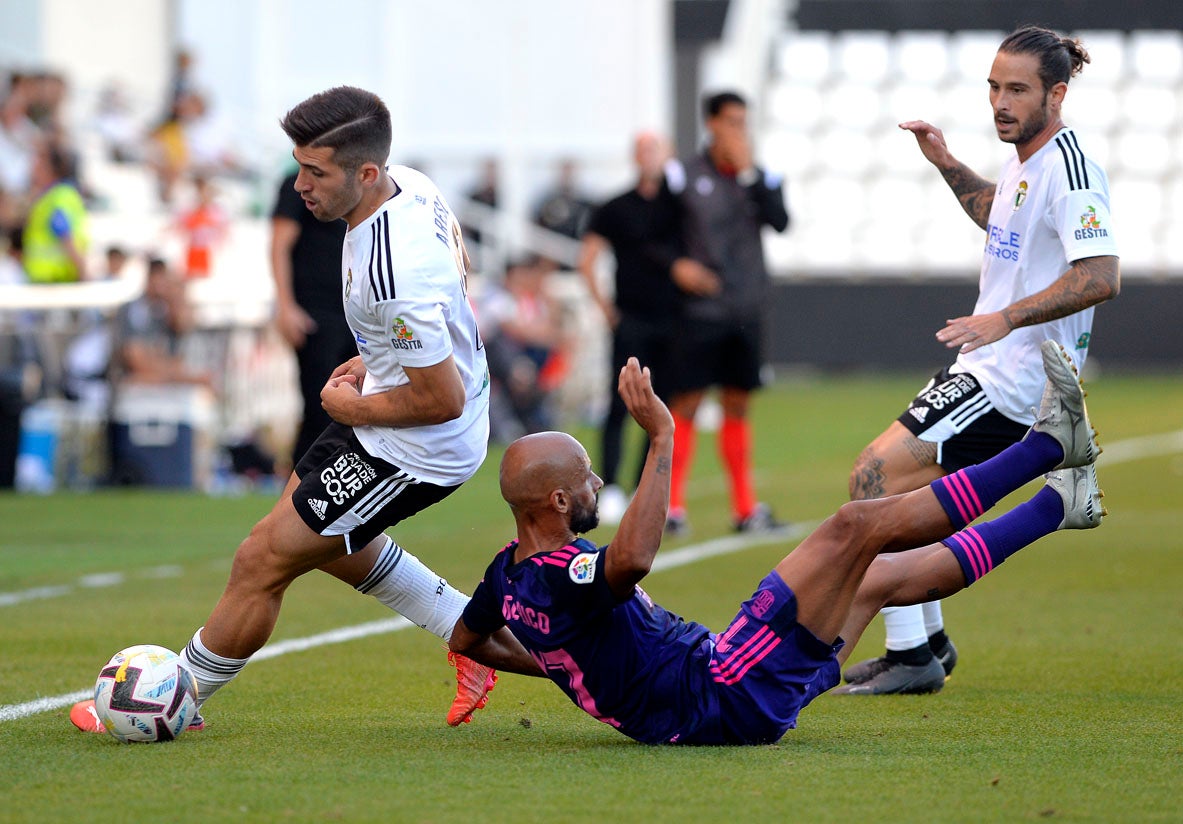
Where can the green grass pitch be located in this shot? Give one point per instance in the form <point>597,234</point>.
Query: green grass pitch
<point>1065,706</point>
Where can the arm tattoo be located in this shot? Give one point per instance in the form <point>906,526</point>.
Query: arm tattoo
<point>867,478</point>
<point>663,466</point>
<point>1088,282</point>
<point>924,452</point>
<point>975,193</point>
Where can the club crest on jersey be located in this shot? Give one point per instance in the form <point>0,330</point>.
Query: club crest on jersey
<point>583,567</point>
<point>1020,195</point>
<point>1083,341</point>
<point>1090,226</point>
<point>348,282</point>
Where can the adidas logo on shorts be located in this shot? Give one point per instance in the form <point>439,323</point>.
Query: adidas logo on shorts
<point>319,507</point>
<point>919,413</point>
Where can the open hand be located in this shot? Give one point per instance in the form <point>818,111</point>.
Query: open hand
<point>931,142</point>
<point>648,410</point>
<point>973,331</point>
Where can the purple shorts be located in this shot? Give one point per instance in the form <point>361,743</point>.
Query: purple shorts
<point>766,667</point>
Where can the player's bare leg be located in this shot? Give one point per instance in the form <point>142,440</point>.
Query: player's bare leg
<point>935,571</point>
<point>279,549</point>
<point>919,655</point>
<point>900,579</point>
<point>827,568</point>
<point>895,462</point>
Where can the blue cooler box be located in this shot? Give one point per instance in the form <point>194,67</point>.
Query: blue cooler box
<point>161,436</point>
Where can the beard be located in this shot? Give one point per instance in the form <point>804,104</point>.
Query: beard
<point>340,203</point>
<point>585,519</point>
<point>1032,126</point>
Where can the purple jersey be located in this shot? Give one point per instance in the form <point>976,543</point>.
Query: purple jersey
<point>650,674</point>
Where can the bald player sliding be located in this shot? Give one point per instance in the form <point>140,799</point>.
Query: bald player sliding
<point>579,611</point>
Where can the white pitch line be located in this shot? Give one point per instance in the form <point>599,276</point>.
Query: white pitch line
<point>1134,449</point>
<point>1130,449</point>
<point>725,546</point>
<point>13,712</point>
<point>8,599</point>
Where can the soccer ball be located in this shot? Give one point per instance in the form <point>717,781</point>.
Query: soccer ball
<point>145,693</point>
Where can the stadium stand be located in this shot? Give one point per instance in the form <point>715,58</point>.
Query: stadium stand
<point>864,198</point>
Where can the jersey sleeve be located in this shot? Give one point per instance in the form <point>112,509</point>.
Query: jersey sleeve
<point>1082,220</point>
<point>418,331</point>
<point>482,613</point>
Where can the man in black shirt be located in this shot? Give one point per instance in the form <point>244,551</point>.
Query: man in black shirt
<point>306,265</point>
<point>723,202</point>
<point>642,310</point>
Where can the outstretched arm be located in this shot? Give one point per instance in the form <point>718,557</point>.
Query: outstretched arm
<point>974,192</point>
<point>631,553</point>
<point>1087,282</point>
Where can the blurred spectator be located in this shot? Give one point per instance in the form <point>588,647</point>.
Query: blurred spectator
<point>484,193</point>
<point>19,138</point>
<point>204,226</point>
<point>208,143</point>
<point>168,153</point>
<point>151,329</point>
<point>12,270</point>
<point>56,234</point>
<point>190,141</point>
<point>564,210</point>
<point>520,324</point>
<point>115,125</point>
<point>181,82</point>
<point>116,260</point>
<point>87,359</point>
<point>306,265</point>
<point>45,104</point>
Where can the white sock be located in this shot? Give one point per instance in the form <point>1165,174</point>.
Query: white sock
<point>905,627</point>
<point>934,622</point>
<point>210,670</point>
<point>402,582</point>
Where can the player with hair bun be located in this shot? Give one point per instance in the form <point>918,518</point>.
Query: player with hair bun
<point>1050,257</point>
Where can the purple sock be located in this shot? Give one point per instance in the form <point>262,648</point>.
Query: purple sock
<point>981,548</point>
<point>969,492</point>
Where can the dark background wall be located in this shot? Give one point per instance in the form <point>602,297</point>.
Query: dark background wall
<point>1001,15</point>
<point>889,324</point>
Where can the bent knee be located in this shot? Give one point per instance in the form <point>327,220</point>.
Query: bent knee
<point>855,520</point>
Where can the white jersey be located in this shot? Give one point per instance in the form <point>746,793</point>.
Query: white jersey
<point>405,296</point>
<point>1047,213</point>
